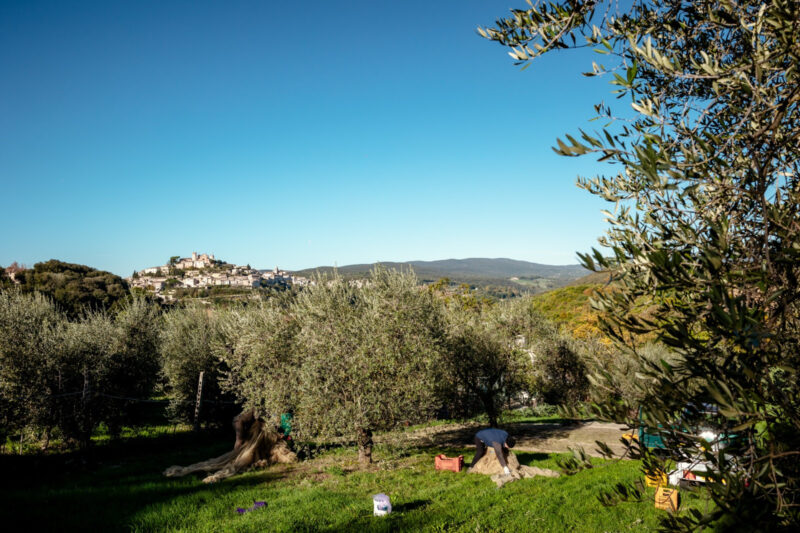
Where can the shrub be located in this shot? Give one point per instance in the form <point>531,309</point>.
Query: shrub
<point>74,288</point>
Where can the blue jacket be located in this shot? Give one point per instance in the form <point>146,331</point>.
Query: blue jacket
<point>492,436</point>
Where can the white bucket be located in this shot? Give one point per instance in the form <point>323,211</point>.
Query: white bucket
<point>381,505</point>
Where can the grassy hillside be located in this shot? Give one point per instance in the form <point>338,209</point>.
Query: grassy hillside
<point>570,306</point>
<point>328,493</point>
<point>593,278</point>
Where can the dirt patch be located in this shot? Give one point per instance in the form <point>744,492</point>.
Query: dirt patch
<point>535,438</point>
<point>531,436</point>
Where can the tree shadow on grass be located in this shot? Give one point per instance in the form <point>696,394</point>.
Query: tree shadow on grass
<point>107,503</point>
<point>33,469</point>
<point>526,458</point>
<point>106,488</point>
<point>411,506</point>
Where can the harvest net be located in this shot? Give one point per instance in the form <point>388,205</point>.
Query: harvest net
<point>490,466</point>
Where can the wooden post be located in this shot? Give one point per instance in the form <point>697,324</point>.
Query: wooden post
<point>199,401</point>
<point>46,443</point>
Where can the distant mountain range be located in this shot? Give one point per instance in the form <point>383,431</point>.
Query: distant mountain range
<point>480,272</point>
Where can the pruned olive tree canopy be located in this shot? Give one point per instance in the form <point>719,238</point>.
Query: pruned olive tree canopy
<point>347,358</point>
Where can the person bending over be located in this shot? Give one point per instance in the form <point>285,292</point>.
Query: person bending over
<point>497,439</point>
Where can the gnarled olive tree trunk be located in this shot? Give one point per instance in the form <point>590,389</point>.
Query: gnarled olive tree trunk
<point>257,444</point>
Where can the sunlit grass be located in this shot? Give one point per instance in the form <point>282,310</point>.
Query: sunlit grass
<point>327,493</point>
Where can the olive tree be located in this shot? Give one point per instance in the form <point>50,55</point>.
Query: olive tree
<point>484,354</point>
<point>133,369</point>
<point>348,358</point>
<point>72,375</point>
<point>558,361</point>
<point>370,356</point>
<point>188,339</point>
<point>705,227</point>
<point>30,335</point>
<point>81,368</point>
<point>107,363</point>
<point>560,373</point>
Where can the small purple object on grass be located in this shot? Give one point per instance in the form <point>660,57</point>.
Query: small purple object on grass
<point>256,505</point>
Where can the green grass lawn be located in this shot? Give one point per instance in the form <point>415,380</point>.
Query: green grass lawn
<point>123,490</point>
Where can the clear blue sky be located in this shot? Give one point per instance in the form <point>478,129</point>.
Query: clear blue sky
<point>290,133</point>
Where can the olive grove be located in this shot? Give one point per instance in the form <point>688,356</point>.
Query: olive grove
<point>346,358</point>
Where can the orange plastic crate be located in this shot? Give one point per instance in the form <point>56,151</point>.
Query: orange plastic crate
<point>454,464</point>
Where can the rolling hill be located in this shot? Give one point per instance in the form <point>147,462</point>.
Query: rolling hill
<point>522,276</point>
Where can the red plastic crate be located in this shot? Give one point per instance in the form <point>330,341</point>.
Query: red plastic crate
<point>454,464</point>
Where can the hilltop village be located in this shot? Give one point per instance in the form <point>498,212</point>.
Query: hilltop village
<point>204,271</point>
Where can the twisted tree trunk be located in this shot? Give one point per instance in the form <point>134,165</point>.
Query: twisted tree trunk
<point>257,444</point>
<point>488,401</point>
